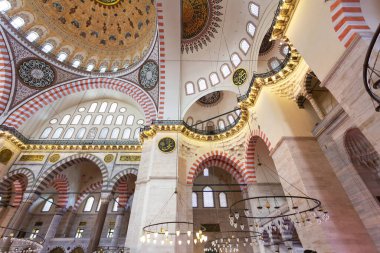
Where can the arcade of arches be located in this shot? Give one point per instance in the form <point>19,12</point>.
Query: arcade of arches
<point>138,126</point>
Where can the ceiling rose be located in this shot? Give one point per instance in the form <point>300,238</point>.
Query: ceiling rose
<point>36,73</point>
<point>108,2</point>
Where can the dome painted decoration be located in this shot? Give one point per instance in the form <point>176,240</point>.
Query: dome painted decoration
<point>111,33</point>
<point>36,73</point>
<point>200,22</point>
<point>148,75</point>
<point>211,98</point>
<point>239,77</point>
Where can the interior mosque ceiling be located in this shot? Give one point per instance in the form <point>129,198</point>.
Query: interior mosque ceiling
<point>110,33</point>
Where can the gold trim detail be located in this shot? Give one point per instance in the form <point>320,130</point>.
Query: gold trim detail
<point>109,158</point>
<point>54,158</point>
<point>283,18</point>
<point>32,158</point>
<point>130,158</point>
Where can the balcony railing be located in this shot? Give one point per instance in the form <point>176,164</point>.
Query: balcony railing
<point>371,69</point>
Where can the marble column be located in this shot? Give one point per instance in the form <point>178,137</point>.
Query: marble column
<point>68,222</point>
<point>54,224</point>
<point>98,227</point>
<point>315,106</point>
<point>301,162</point>
<point>118,226</point>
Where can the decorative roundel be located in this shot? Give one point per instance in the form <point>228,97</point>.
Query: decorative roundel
<point>148,75</point>
<point>211,98</point>
<point>54,158</point>
<point>166,144</point>
<point>108,158</point>
<point>108,2</point>
<point>36,73</point>
<point>239,77</point>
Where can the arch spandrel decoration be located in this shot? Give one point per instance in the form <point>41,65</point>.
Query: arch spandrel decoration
<point>47,177</point>
<point>222,160</point>
<point>33,105</point>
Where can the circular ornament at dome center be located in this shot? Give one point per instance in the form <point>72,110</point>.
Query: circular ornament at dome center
<point>108,2</point>
<point>148,75</point>
<point>36,73</point>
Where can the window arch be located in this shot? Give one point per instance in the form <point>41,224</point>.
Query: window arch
<point>189,88</point>
<point>214,79</point>
<point>194,199</point>
<point>108,120</point>
<point>103,133</point>
<point>235,59</point>
<point>98,120</point>
<point>274,63</point>
<point>137,133</point>
<point>47,48</point>
<point>127,133</point>
<point>46,133</point>
<point>103,107</point>
<point>32,36</point>
<point>115,205</point>
<point>115,133</point>
<point>231,119</point>
<point>18,22</point>
<point>65,119</point>
<point>76,119</point>
<point>93,107</point>
<point>221,124</point>
<point>254,9</point>
<point>58,132</point>
<point>244,46</point>
<point>190,121</point>
<point>130,120</point>
<point>76,63</point>
<point>226,71</point>
<point>119,120</point>
<point>92,133</point>
<point>208,197</point>
<point>251,29</point>
<point>47,205</point>
<point>81,132</point>
<point>202,84</point>
<point>62,56</point>
<point>87,120</point>
<point>89,204</point>
<point>5,6</point>
<point>206,172</point>
<point>90,67</point>
<point>69,133</point>
<point>113,108</point>
<point>222,200</point>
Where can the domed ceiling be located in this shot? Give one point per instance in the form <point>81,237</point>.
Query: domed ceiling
<point>110,33</point>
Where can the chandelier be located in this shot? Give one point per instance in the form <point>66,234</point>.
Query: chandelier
<point>232,241</point>
<point>167,232</point>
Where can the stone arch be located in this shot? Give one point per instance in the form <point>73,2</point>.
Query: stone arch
<point>6,70</point>
<point>61,185</point>
<point>219,159</point>
<point>21,180</point>
<point>348,20</point>
<point>250,150</point>
<point>33,105</point>
<point>47,177</point>
<point>83,195</point>
<point>120,185</point>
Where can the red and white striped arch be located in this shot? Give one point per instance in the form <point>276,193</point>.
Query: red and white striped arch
<point>221,160</point>
<point>122,185</point>
<point>348,20</point>
<point>25,111</point>
<point>21,180</point>
<point>5,73</point>
<point>84,194</point>
<point>61,185</point>
<point>251,151</point>
<point>162,57</point>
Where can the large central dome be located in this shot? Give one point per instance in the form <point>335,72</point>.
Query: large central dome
<point>108,32</point>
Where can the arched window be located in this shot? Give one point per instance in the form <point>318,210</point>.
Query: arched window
<point>98,119</point>
<point>108,120</point>
<point>103,133</point>
<point>206,172</point>
<point>76,63</point>
<point>81,132</point>
<point>90,67</point>
<point>208,197</point>
<point>137,133</point>
<point>199,125</point>
<point>115,205</point>
<point>194,199</point>
<point>119,120</point>
<point>254,9</point>
<point>65,119</point>
<point>62,56</point>
<point>93,107</point>
<point>231,119</point>
<point>251,29</point>
<point>189,121</point>
<point>115,133</point>
<point>214,78</point>
<point>130,120</point>
<point>32,36</point>
<point>113,108</point>
<point>47,48</point>
<point>18,22</point>
<point>48,204</point>
<point>89,204</point>
<point>76,119</point>
<point>202,84</point>
<point>87,120</point>
<point>69,133</point>
<point>235,59</point>
<point>244,46</point>
<point>221,124</point>
<point>222,199</point>
<point>46,133</point>
<point>57,134</point>
<point>92,133</point>
<point>127,133</point>
<point>189,88</point>
<point>226,71</point>
<point>103,107</point>
<point>274,63</point>
<point>102,69</point>
<point>5,6</point>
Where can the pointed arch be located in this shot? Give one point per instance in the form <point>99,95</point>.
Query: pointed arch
<point>218,159</point>
<point>348,20</point>
<point>61,185</point>
<point>33,105</point>
<point>122,187</point>
<point>250,151</point>
<point>21,180</point>
<point>47,177</point>
<point>84,194</point>
<point>6,70</point>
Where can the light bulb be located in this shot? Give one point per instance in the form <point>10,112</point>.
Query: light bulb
<point>162,242</point>
<point>155,235</point>
<point>195,241</point>
<point>246,212</point>
<point>177,232</point>
<point>166,233</point>
<point>197,235</point>
<point>237,215</point>
<point>148,236</point>
<point>171,242</point>
<point>189,233</point>
<point>179,242</point>
<point>242,226</point>
<point>154,241</point>
<point>188,242</point>
<point>205,238</point>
